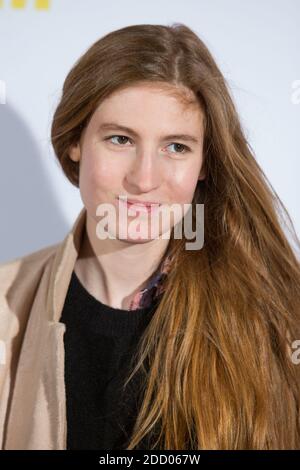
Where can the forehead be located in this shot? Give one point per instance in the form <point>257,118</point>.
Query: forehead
<point>155,101</point>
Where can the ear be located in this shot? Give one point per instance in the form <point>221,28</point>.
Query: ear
<point>202,174</point>
<point>75,152</point>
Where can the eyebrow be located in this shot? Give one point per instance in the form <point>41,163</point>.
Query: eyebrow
<point>115,125</point>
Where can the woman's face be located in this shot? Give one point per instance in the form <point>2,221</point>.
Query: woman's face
<point>143,143</point>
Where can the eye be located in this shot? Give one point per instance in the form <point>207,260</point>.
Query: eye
<point>121,137</point>
<point>181,147</point>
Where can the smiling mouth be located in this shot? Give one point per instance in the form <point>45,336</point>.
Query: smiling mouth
<point>139,206</point>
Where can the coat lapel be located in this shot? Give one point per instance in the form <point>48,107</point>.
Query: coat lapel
<point>37,415</point>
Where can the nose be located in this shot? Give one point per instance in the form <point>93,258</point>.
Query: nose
<point>144,174</point>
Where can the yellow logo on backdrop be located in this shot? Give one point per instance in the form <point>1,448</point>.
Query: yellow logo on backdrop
<point>18,4</point>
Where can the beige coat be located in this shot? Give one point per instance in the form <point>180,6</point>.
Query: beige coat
<point>32,386</point>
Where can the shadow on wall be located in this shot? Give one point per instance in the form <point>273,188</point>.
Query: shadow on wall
<point>30,218</point>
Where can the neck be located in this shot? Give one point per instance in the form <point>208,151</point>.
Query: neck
<point>114,270</point>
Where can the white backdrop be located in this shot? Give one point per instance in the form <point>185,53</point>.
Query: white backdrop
<point>255,43</point>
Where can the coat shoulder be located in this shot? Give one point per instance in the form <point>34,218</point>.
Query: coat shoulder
<point>34,256</point>
<point>30,263</point>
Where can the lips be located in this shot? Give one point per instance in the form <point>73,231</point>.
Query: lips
<point>142,204</point>
<point>138,205</point>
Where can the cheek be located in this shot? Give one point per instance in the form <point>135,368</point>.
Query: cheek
<point>97,178</point>
<point>182,186</point>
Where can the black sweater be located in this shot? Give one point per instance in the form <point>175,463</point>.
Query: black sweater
<point>99,343</point>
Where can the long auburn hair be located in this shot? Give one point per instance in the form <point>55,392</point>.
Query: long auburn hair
<point>219,347</point>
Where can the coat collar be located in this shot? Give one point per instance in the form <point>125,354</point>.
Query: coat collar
<point>37,411</point>
<point>63,266</point>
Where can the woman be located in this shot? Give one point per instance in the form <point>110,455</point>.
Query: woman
<point>145,113</point>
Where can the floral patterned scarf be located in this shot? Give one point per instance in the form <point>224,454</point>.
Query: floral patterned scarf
<point>145,297</point>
